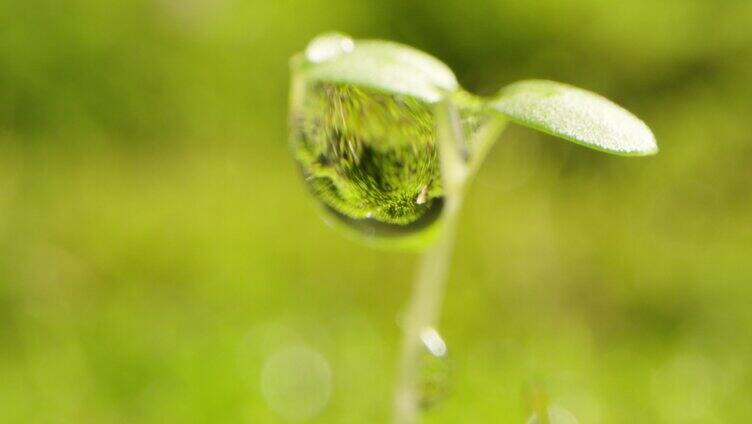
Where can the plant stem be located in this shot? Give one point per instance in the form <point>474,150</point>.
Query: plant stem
<point>424,307</point>
<point>423,313</point>
<point>428,290</point>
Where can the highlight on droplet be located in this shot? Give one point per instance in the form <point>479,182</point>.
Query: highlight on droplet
<point>328,46</point>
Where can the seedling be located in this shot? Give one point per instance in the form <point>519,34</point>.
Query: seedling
<point>388,142</point>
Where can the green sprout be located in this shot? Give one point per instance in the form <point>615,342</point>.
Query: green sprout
<point>387,142</point>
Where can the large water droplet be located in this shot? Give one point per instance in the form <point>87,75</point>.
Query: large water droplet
<point>434,377</point>
<point>371,158</point>
<point>328,46</point>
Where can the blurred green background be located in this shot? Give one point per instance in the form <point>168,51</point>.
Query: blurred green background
<point>160,260</point>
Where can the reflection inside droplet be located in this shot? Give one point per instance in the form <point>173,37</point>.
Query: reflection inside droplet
<point>370,158</point>
<point>296,383</point>
<point>328,46</point>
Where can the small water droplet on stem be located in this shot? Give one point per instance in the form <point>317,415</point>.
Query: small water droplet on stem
<point>434,379</point>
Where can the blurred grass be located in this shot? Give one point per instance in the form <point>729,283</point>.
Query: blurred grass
<point>156,246</point>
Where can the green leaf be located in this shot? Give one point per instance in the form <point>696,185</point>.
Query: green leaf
<point>380,65</point>
<point>576,115</point>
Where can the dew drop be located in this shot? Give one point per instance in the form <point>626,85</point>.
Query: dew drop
<point>370,158</point>
<point>556,415</point>
<point>434,383</point>
<point>328,46</point>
